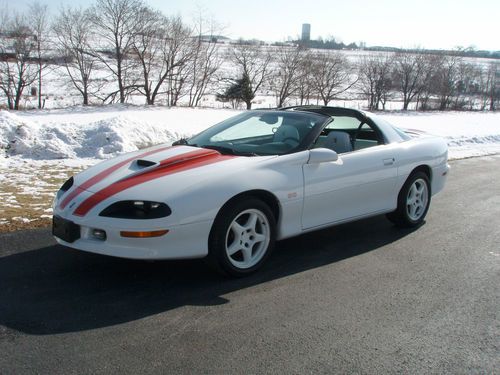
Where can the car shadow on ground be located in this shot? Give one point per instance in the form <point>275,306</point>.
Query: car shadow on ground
<point>55,289</point>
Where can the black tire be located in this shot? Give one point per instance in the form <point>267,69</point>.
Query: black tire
<point>223,234</point>
<point>403,215</point>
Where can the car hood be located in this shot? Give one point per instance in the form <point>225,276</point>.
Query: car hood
<point>147,165</point>
<point>154,171</point>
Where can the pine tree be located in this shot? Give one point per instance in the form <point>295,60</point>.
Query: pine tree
<point>239,91</point>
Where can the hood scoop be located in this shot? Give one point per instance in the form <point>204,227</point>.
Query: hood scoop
<point>142,163</point>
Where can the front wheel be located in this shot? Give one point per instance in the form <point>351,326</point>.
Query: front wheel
<point>413,201</point>
<point>242,237</point>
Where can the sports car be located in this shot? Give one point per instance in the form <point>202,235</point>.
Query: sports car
<point>229,192</point>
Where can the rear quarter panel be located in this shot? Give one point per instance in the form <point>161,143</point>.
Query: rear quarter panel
<point>428,151</point>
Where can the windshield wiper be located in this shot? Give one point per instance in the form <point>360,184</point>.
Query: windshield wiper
<point>182,141</point>
<point>227,150</point>
<point>222,149</point>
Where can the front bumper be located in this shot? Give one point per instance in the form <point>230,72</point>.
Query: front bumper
<point>181,242</point>
<point>439,177</point>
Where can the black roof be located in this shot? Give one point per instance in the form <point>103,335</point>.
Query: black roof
<point>327,111</point>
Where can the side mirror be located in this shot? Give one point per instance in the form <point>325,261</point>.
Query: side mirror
<point>322,155</point>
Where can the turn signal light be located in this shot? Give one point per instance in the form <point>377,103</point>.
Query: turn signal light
<point>155,233</point>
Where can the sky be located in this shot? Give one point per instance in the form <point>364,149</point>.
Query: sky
<point>432,24</point>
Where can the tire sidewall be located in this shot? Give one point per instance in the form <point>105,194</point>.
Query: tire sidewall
<point>217,240</point>
<point>402,198</point>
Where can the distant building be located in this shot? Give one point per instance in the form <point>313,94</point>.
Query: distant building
<point>306,32</point>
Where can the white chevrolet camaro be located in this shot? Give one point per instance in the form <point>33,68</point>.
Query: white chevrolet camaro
<point>231,191</point>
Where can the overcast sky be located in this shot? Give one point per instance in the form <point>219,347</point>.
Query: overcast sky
<point>442,24</point>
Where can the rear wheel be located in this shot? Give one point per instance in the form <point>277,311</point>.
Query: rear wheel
<point>242,237</point>
<point>413,201</point>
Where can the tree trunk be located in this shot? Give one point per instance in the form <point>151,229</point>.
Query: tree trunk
<point>40,86</point>
<point>17,100</point>
<point>119,75</point>
<point>85,96</point>
<point>249,104</point>
<point>442,104</point>
<point>122,90</point>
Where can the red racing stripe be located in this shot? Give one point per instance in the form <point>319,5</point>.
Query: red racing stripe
<point>103,174</point>
<point>169,166</point>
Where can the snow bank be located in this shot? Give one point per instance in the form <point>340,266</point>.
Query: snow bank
<point>99,139</point>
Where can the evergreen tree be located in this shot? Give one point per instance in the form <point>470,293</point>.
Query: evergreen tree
<point>239,91</point>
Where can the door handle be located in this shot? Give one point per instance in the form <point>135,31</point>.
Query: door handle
<point>389,161</point>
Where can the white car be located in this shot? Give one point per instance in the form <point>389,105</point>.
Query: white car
<point>231,191</point>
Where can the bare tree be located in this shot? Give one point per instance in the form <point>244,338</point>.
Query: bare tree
<point>431,63</point>
<point>464,86</point>
<point>482,81</point>
<point>116,23</point>
<point>16,69</point>
<point>38,19</point>
<point>445,81</point>
<point>408,75</point>
<point>205,64</point>
<point>304,82</point>
<point>177,51</point>
<point>375,79</point>
<point>206,60</point>
<point>72,30</point>
<point>287,74</point>
<point>146,45</point>
<point>331,75</point>
<point>492,88</point>
<point>253,63</point>
<point>164,47</point>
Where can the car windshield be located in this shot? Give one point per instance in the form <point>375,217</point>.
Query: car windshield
<point>261,133</point>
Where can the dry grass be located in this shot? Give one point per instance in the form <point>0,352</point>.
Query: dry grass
<point>27,193</point>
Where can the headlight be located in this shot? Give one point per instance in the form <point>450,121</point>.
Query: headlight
<point>63,189</point>
<point>67,185</point>
<point>136,210</point>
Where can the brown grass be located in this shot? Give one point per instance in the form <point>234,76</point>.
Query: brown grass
<point>27,196</point>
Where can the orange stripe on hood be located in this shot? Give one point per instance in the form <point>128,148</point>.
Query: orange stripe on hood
<point>103,174</point>
<point>168,166</point>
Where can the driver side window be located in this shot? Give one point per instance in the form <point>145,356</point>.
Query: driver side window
<point>347,134</point>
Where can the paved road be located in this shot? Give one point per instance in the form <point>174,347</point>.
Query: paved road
<point>362,297</point>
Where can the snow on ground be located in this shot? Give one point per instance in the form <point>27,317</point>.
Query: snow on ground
<point>468,133</point>
<point>78,135</point>
<point>99,133</point>
<point>40,149</point>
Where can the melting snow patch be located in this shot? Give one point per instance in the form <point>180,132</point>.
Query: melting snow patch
<point>22,219</point>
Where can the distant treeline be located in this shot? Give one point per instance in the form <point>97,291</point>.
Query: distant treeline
<point>333,44</point>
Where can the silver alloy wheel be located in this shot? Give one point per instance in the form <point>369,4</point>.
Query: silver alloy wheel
<point>417,199</point>
<point>247,238</point>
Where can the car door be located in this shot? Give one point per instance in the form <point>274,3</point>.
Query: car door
<point>359,183</point>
